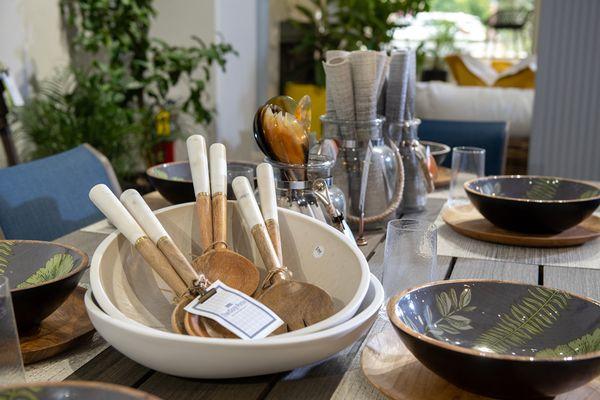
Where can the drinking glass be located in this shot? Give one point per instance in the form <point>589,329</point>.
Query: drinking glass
<point>11,363</point>
<point>410,256</point>
<point>233,171</point>
<point>467,163</point>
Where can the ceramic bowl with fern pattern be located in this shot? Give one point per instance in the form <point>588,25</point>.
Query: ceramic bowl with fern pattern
<point>501,339</point>
<point>41,276</point>
<point>533,204</point>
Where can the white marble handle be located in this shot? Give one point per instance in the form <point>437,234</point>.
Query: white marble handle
<point>144,216</point>
<point>218,168</point>
<point>116,212</point>
<point>196,147</point>
<point>246,202</point>
<point>266,191</point>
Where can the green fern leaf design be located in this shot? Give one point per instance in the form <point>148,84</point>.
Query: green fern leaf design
<point>6,250</point>
<point>57,266</point>
<point>449,304</point>
<point>159,173</point>
<point>585,344</point>
<point>530,317</point>
<point>20,394</point>
<point>542,190</point>
<point>589,194</point>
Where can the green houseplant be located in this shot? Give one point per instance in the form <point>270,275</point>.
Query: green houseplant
<point>438,46</point>
<point>119,82</point>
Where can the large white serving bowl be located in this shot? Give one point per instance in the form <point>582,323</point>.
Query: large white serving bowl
<point>194,357</point>
<point>127,289</point>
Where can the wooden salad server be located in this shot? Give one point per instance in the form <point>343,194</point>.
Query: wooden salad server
<point>196,283</point>
<point>196,147</point>
<point>220,263</point>
<point>118,215</point>
<point>268,205</point>
<point>298,304</point>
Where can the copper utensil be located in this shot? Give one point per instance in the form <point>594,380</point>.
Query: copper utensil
<point>298,304</point>
<point>218,262</point>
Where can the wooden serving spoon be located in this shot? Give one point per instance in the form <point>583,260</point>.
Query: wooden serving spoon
<point>148,221</point>
<point>118,215</point>
<point>196,147</point>
<point>298,304</point>
<point>218,262</point>
<point>268,205</point>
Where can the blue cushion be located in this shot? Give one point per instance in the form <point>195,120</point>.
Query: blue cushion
<point>490,136</point>
<point>48,198</point>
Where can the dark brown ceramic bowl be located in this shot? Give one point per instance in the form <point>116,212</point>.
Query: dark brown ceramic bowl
<point>533,204</point>
<point>41,276</point>
<point>501,339</point>
<point>439,151</point>
<point>74,390</point>
<point>174,180</point>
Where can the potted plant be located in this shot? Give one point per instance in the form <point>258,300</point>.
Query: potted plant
<point>116,94</point>
<point>438,46</point>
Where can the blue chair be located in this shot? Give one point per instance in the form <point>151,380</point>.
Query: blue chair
<point>48,198</point>
<point>491,136</point>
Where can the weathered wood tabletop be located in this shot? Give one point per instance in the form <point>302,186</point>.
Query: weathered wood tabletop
<point>338,377</point>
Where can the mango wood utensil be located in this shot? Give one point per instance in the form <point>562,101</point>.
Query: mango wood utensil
<point>298,304</point>
<point>116,213</point>
<point>196,283</point>
<point>196,147</point>
<point>268,205</point>
<point>220,263</point>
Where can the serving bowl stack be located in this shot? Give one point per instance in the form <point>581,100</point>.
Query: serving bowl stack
<point>131,306</point>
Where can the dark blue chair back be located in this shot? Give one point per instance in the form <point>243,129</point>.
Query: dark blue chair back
<point>48,198</point>
<point>491,136</point>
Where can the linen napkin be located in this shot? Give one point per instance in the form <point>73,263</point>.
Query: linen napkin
<point>367,72</point>
<point>339,73</point>
<point>396,86</point>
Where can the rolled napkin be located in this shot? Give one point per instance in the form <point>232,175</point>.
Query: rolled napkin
<point>411,86</point>
<point>367,72</point>
<point>330,105</point>
<point>331,54</point>
<point>396,86</point>
<point>339,81</point>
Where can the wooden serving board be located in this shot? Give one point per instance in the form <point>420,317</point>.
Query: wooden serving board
<point>393,370</point>
<point>63,329</point>
<point>467,221</point>
<point>444,175</point>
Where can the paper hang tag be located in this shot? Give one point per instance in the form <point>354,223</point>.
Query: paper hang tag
<point>236,311</point>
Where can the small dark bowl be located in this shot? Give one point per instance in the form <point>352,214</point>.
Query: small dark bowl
<point>41,276</point>
<point>533,204</point>
<point>174,180</point>
<point>501,339</point>
<point>75,390</point>
<point>439,151</point>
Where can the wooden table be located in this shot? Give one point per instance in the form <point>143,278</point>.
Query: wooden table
<point>339,377</point>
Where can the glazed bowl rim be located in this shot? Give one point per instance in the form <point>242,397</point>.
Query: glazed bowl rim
<point>112,387</point>
<point>468,189</point>
<point>83,263</point>
<point>445,148</point>
<point>150,172</point>
<point>468,351</point>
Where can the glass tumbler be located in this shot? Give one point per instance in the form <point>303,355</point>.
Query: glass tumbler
<point>467,163</point>
<point>233,171</point>
<point>410,256</point>
<point>11,363</point>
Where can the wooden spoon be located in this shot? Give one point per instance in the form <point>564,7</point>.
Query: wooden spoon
<point>195,282</point>
<point>298,304</point>
<point>196,147</point>
<point>268,205</point>
<point>220,263</point>
<point>118,215</point>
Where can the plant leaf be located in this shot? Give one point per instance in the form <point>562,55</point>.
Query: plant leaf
<point>585,344</point>
<point>55,267</point>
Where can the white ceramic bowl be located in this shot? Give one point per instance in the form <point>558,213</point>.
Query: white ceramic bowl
<point>127,289</point>
<point>195,357</point>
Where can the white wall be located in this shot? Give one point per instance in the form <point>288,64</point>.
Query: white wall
<point>33,44</point>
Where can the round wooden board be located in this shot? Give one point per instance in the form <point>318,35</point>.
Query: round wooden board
<point>393,370</point>
<point>443,177</point>
<point>467,221</point>
<point>63,329</point>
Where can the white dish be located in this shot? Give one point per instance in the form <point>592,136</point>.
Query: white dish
<point>195,357</point>
<point>127,289</point>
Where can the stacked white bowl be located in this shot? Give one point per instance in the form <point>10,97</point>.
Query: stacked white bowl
<point>131,306</point>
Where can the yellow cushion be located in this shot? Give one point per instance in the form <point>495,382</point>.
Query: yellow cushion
<point>524,79</point>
